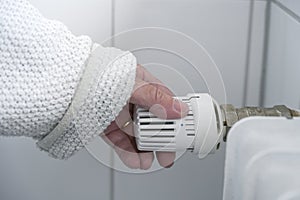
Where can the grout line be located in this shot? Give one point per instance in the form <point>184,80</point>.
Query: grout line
<point>265,54</point>
<point>287,10</point>
<point>112,176</point>
<point>111,170</point>
<point>113,21</point>
<point>248,51</point>
<point>266,42</point>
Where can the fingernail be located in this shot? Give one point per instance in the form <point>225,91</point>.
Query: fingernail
<point>159,111</point>
<point>170,165</point>
<point>181,107</point>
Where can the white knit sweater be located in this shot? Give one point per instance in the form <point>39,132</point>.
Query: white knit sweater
<point>60,89</point>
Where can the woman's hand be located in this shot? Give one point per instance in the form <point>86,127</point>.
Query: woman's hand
<point>150,93</point>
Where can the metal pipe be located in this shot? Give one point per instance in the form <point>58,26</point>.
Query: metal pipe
<point>231,115</point>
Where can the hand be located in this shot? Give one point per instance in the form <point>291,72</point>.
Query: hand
<point>149,93</point>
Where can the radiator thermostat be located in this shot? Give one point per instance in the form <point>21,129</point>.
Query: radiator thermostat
<point>200,131</point>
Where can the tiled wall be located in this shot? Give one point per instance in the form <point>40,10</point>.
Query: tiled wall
<point>223,29</point>
<point>233,33</point>
<point>283,61</point>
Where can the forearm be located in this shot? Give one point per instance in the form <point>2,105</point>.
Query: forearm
<point>42,65</point>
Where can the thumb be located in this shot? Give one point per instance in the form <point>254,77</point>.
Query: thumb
<point>159,102</point>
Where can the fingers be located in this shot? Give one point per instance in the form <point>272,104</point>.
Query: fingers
<point>143,75</point>
<point>152,94</point>
<point>112,127</point>
<point>160,103</point>
<point>146,159</point>
<point>166,159</point>
<point>126,150</point>
<point>162,88</point>
<point>124,120</point>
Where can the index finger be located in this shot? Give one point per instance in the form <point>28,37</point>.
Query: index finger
<point>159,103</point>
<point>143,74</point>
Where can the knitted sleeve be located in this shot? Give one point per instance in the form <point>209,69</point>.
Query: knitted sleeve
<point>60,89</point>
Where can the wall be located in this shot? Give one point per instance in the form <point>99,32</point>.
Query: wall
<point>223,28</point>
<point>232,31</point>
<point>283,61</point>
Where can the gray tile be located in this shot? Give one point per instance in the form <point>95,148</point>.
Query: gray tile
<point>282,85</point>
<point>256,54</point>
<point>222,28</point>
<point>189,178</point>
<point>29,174</point>
<point>293,5</point>
<point>89,17</point>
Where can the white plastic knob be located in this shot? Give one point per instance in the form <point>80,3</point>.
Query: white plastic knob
<point>200,131</point>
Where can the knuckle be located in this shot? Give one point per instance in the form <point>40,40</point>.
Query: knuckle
<point>158,95</point>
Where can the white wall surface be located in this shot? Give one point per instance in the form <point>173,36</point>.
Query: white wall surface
<point>28,174</point>
<point>82,17</point>
<point>255,54</point>
<point>293,5</point>
<point>222,28</point>
<point>282,72</point>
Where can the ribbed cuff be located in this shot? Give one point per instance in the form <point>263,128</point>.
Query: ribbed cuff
<point>104,90</point>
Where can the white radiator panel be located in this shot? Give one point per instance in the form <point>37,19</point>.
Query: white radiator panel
<point>263,160</point>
